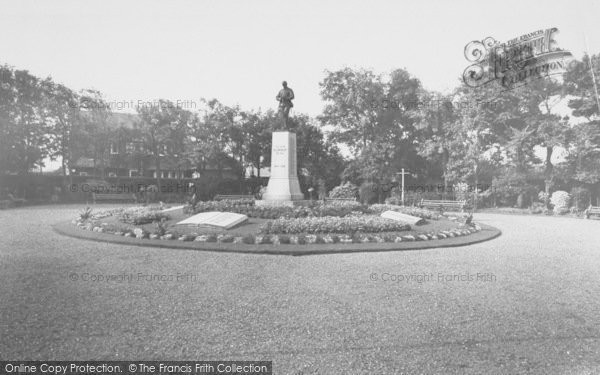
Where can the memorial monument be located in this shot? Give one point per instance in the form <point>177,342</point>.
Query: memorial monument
<point>283,187</point>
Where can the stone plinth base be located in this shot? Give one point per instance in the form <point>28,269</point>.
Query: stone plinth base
<point>283,183</point>
<point>280,203</point>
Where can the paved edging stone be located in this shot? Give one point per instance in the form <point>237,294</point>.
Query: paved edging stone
<point>454,238</point>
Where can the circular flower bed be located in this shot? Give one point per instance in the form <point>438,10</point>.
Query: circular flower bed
<point>303,225</point>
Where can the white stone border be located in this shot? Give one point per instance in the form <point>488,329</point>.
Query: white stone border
<point>276,239</point>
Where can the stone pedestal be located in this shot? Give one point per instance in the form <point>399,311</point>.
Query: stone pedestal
<point>283,184</point>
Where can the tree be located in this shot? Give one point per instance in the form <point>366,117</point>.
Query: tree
<point>584,153</point>
<point>352,99</point>
<point>62,111</point>
<point>579,83</point>
<point>25,134</point>
<point>257,129</point>
<point>315,155</point>
<point>163,128</point>
<point>375,117</point>
<point>95,138</point>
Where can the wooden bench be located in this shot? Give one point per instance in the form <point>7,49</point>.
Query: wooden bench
<point>113,197</point>
<point>591,210</point>
<point>16,201</point>
<point>220,197</point>
<point>442,205</point>
<point>341,199</point>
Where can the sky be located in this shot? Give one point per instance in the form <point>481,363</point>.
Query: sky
<point>240,51</point>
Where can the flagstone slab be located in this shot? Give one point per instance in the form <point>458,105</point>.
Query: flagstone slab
<point>399,216</point>
<point>225,220</point>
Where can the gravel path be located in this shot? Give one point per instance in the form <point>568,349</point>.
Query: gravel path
<point>528,302</point>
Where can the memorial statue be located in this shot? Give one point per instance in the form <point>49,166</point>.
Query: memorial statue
<point>285,97</point>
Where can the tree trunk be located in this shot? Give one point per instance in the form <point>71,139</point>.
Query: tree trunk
<point>446,157</point>
<point>157,162</point>
<point>548,174</point>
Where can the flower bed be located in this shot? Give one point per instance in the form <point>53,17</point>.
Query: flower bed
<point>331,224</point>
<point>247,207</point>
<point>278,239</point>
<point>141,215</point>
<point>358,228</point>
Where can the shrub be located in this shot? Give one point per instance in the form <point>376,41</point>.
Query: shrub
<point>301,239</point>
<point>510,185</point>
<point>368,192</point>
<point>388,238</point>
<point>329,224</point>
<point>161,227</point>
<point>248,239</point>
<point>461,191</point>
<point>265,240</point>
<point>581,198</point>
<point>542,195</point>
<point>346,190</point>
<point>319,239</point>
<point>187,237</point>
<point>227,238</point>
<point>560,200</point>
<point>85,214</point>
<point>284,239</point>
<point>141,215</point>
<point>537,208</point>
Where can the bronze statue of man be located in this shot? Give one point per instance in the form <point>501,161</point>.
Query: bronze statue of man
<point>285,97</point>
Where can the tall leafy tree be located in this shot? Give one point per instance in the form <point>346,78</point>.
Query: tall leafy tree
<point>62,111</point>
<point>163,127</point>
<point>26,135</point>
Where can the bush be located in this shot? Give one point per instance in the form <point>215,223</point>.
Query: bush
<point>537,208</point>
<point>265,240</point>
<point>510,185</point>
<point>542,195</point>
<point>85,214</point>
<point>301,239</point>
<point>329,224</point>
<point>368,192</point>
<point>161,227</point>
<point>248,239</point>
<point>581,198</point>
<point>142,216</point>
<point>346,190</point>
<point>284,239</point>
<point>560,200</point>
<point>461,191</point>
<point>226,238</point>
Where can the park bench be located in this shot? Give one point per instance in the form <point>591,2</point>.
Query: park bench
<point>220,197</point>
<point>341,199</point>
<point>591,210</point>
<point>113,197</point>
<point>442,205</point>
<point>15,201</point>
